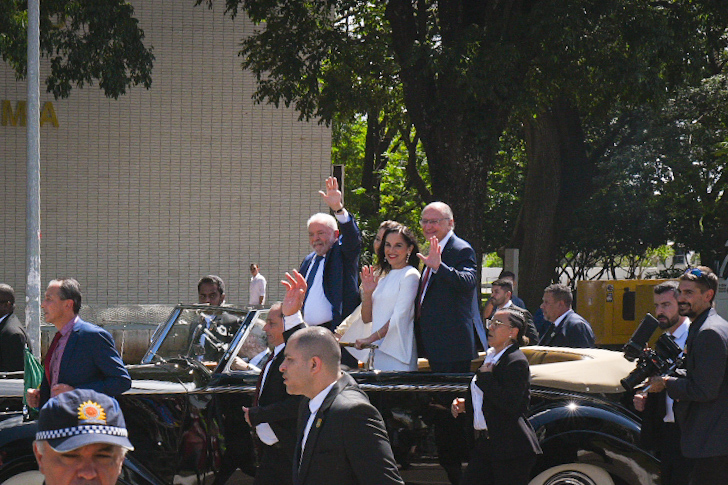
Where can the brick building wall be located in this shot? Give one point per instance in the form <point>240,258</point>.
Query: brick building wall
<point>144,194</point>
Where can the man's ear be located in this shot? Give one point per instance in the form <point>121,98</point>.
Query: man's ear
<point>38,455</point>
<point>336,234</point>
<point>316,364</point>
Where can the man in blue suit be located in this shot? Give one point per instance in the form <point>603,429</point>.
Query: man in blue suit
<point>568,328</point>
<point>331,270</point>
<point>81,354</point>
<point>446,308</point>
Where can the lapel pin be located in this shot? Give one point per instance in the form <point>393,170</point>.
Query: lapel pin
<point>318,423</point>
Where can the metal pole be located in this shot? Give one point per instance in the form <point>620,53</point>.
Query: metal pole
<point>32,231</point>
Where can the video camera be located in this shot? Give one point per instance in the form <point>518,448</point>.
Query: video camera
<point>663,360</point>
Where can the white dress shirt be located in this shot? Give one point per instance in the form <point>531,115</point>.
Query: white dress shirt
<point>478,418</point>
<point>681,336</point>
<point>313,406</point>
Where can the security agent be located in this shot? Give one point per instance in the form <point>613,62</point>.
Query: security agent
<point>81,438</point>
<point>701,394</point>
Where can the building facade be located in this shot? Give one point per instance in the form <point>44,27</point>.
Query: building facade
<point>143,195</point>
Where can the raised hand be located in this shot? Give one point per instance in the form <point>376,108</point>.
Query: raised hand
<point>368,280</point>
<point>295,293</point>
<point>434,257</point>
<point>332,196</point>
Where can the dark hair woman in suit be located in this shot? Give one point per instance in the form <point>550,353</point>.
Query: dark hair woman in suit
<point>505,444</point>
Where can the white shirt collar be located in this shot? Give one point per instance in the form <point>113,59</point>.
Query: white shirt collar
<point>446,238</point>
<point>561,318</point>
<point>507,304</point>
<point>315,404</point>
<point>681,330</point>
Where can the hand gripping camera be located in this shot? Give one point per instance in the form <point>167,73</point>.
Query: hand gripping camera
<point>663,360</point>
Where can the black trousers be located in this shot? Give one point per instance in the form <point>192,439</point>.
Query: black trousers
<point>674,467</point>
<point>483,470</point>
<point>275,467</point>
<point>710,471</point>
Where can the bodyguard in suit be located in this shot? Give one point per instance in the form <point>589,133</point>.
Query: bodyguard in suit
<point>506,445</point>
<point>332,269</point>
<point>221,326</point>
<point>341,436</point>
<point>501,297</point>
<point>274,412</point>
<point>446,308</point>
<point>568,328</point>
<point>81,354</point>
<point>13,338</point>
<point>701,395</point>
<point>659,430</point>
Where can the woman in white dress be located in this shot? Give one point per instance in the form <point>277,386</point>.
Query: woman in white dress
<point>388,302</point>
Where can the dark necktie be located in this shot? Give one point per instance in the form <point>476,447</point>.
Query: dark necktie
<point>312,276</point>
<point>259,384</point>
<point>49,355</point>
<point>423,286</point>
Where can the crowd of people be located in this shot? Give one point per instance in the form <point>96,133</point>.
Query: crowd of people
<point>311,421</point>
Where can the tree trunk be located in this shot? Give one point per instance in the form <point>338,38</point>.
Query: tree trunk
<point>559,178</point>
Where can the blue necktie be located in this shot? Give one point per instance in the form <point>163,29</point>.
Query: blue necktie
<point>311,276</point>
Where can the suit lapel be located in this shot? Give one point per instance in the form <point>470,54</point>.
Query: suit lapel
<point>318,423</point>
<point>68,352</point>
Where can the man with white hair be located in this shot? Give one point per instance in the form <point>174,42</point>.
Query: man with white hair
<point>332,268</point>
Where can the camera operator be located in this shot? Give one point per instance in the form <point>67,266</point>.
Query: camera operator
<point>660,432</point>
<point>701,395</point>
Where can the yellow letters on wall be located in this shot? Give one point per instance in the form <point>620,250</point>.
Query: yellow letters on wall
<point>17,117</point>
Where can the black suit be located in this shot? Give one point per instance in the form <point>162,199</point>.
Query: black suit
<point>12,341</point>
<point>280,410</point>
<point>573,331</point>
<point>347,443</point>
<point>701,398</point>
<point>445,328</point>
<point>509,451</point>
<point>341,272</point>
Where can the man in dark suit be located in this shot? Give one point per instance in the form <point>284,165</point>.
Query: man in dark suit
<point>81,354</point>
<point>568,328</point>
<point>701,395</point>
<point>332,269</point>
<point>275,412</point>
<point>341,436</point>
<point>446,308</point>
<point>12,333</point>
<point>501,297</point>
<point>659,430</point>
<point>216,328</point>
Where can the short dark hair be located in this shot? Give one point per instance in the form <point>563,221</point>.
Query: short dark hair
<point>517,319</point>
<point>253,265</point>
<point>560,293</point>
<point>703,277</point>
<point>7,293</point>
<point>318,342</point>
<point>504,283</point>
<point>666,287</point>
<point>507,274</point>
<point>70,289</point>
<point>214,280</point>
<point>409,239</point>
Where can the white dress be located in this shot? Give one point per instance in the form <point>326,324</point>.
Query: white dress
<point>393,301</point>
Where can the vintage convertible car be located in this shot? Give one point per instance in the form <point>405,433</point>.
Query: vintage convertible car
<point>185,421</point>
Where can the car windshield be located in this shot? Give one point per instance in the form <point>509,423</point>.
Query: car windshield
<point>203,334</point>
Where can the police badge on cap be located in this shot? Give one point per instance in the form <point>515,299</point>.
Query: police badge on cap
<point>82,417</point>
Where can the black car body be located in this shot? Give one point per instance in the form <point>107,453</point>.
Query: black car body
<point>185,420</point>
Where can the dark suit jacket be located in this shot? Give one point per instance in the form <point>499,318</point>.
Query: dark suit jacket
<point>506,394</point>
<point>701,398</point>
<point>90,361</point>
<point>446,326</point>
<point>12,342</point>
<point>347,443</point>
<point>573,331</point>
<point>341,272</point>
<point>276,407</point>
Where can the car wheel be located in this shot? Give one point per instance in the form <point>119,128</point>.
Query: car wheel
<point>573,474</point>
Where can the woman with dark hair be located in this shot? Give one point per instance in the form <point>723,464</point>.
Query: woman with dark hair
<point>505,444</point>
<point>388,302</point>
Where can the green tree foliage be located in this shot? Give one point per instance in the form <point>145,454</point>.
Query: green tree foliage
<point>86,41</point>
